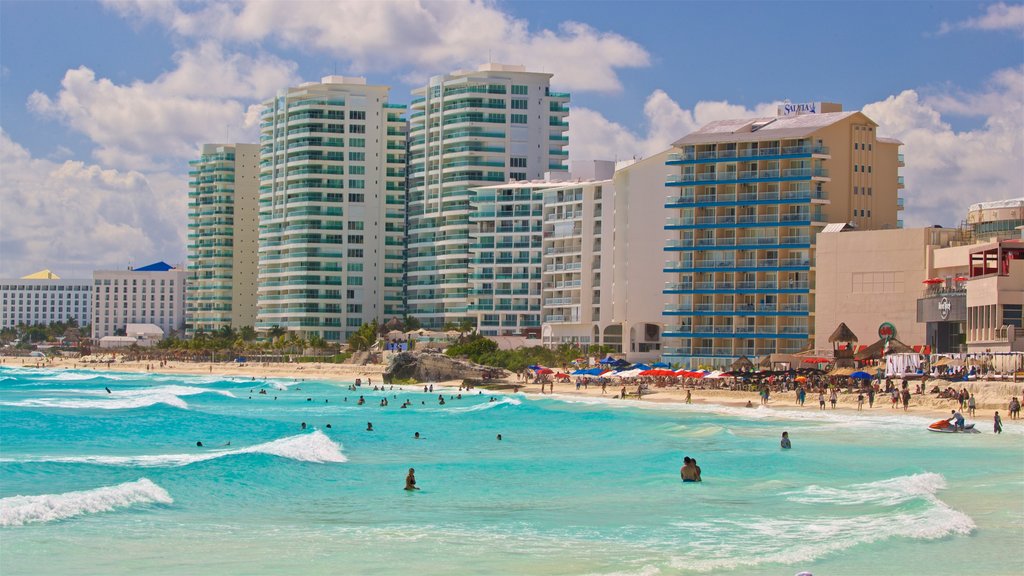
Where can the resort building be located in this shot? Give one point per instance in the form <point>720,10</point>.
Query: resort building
<point>223,234</point>
<point>911,280</point>
<point>748,197</point>
<point>997,220</point>
<point>995,297</point>
<point>153,294</point>
<point>599,281</point>
<point>331,208</point>
<point>472,129</point>
<point>43,298</point>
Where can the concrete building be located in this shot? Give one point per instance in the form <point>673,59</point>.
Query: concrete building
<point>223,235</point>
<point>600,285</point>
<point>907,278</point>
<point>44,298</point>
<point>153,294</point>
<point>748,197</point>
<point>995,297</point>
<point>996,220</point>
<point>471,129</point>
<point>332,208</point>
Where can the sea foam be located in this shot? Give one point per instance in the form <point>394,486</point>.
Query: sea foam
<point>20,510</point>
<point>884,492</point>
<point>315,447</point>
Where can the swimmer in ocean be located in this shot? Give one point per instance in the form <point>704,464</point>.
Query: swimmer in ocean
<point>303,425</point>
<point>785,441</point>
<point>416,436</point>
<point>369,426</point>
<point>108,390</point>
<point>410,480</point>
<point>499,437</point>
<point>199,444</point>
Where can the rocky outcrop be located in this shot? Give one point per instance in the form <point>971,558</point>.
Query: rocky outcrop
<point>434,367</point>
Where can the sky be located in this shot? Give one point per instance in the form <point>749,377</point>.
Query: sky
<point>102,104</point>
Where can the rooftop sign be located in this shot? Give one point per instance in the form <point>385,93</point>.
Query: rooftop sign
<point>790,109</point>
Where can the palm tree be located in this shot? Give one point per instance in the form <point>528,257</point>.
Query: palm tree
<point>247,333</point>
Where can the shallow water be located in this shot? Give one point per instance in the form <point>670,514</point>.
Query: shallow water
<point>97,483</point>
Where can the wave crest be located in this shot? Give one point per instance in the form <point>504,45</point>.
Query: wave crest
<point>20,510</point>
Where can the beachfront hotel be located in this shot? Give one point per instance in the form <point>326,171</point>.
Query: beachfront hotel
<point>748,197</point>
<point>223,232</point>
<point>331,208</point>
<point>43,298</point>
<point>153,294</point>
<point>599,286</point>
<point>472,129</point>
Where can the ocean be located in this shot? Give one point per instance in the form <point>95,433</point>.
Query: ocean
<point>93,482</point>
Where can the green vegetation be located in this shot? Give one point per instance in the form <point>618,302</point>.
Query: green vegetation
<point>29,335</point>
<point>481,350</point>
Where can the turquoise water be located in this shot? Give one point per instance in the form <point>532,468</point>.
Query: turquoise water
<point>98,483</point>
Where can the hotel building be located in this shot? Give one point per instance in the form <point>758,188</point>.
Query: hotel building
<point>153,294</point>
<point>223,233</point>
<point>473,129</point>
<point>748,198</point>
<point>599,283</point>
<point>331,208</point>
<point>43,298</point>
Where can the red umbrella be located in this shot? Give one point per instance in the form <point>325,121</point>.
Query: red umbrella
<point>815,360</point>
<point>657,372</point>
<point>561,375</point>
<point>960,279</point>
<point>932,281</point>
<point>545,371</point>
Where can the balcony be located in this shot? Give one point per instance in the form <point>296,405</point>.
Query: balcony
<point>776,153</point>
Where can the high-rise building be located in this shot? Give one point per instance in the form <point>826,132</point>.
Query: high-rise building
<point>600,284</point>
<point>153,294</point>
<point>223,233</point>
<point>749,196</point>
<point>332,208</point>
<point>44,298</point>
<point>470,129</point>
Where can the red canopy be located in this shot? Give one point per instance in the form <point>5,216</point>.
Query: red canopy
<point>960,279</point>
<point>815,360</point>
<point>561,375</point>
<point>657,372</point>
<point>545,371</point>
<point>933,281</point>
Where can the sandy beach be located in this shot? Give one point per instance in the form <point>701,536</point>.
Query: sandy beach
<point>989,395</point>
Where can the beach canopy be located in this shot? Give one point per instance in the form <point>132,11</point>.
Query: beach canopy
<point>545,371</point>
<point>561,375</point>
<point>657,372</point>
<point>861,375</point>
<point>842,334</point>
<point>742,363</point>
<point>660,365</point>
<point>641,367</point>
<point>534,366</point>
<point>960,279</point>
<point>815,360</point>
<point>932,281</point>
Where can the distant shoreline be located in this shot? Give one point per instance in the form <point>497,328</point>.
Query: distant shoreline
<point>990,395</point>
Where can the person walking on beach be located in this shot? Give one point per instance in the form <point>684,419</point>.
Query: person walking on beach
<point>971,405</point>
<point>906,399</point>
<point>833,398</point>
<point>821,400</point>
<point>689,396</point>
<point>871,397</point>
<point>1014,408</point>
<point>860,401</point>
<point>997,423</point>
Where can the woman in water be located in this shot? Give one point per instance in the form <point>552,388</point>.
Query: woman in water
<point>410,480</point>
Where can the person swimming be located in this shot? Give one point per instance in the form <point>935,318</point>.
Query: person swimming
<point>416,436</point>
<point>499,437</point>
<point>785,441</point>
<point>688,472</point>
<point>107,389</point>
<point>410,480</point>
<point>303,425</point>
<point>369,426</point>
<point>199,444</point>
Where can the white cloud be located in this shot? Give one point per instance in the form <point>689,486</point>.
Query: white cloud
<point>73,217</point>
<point>417,38</point>
<point>594,137</point>
<point>999,16</point>
<point>144,125</point>
<point>947,170</point>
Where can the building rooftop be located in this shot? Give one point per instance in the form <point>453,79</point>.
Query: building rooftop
<point>768,128</point>
<point>155,267</point>
<point>44,274</point>
<point>996,204</point>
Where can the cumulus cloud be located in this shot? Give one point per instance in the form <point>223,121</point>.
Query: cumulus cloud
<point>946,169</point>
<point>999,16</point>
<point>949,169</point>
<point>594,137</point>
<point>76,216</point>
<point>145,125</point>
<point>416,39</point>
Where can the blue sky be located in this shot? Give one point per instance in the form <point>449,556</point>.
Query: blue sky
<point>102,104</point>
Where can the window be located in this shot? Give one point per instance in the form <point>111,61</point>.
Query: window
<point>357,129</point>
<point>354,281</point>
<point>516,89</point>
<point>354,308</point>
<point>517,175</point>
<point>869,213</point>
<point>869,191</point>
<point>355,252</point>
<point>869,169</point>
<point>357,115</point>
<point>854,167</point>
<point>856,190</point>
<point>357,156</point>
<point>355,267</point>
<point>357,198</point>
<point>517,162</point>
<point>357,184</point>
<point>355,238</point>
<point>357,142</point>
<point>1012,315</point>
<point>356,225</point>
<point>518,104</point>
<point>357,169</point>
<point>353,322</point>
<point>519,118</point>
<point>350,294</point>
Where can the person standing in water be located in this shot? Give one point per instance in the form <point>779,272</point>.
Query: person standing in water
<point>410,480</point>
<point>997,424</point>
<point>786,444</point>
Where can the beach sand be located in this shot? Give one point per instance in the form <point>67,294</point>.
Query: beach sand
<point>989,395</point>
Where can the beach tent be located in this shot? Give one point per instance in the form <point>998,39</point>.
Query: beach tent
<point>641,367</point>
<point>861,376</point>
<point>660,365</point>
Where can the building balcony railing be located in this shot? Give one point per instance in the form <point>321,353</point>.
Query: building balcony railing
<point>675,201</point>
<point>745,154</point>
<point>745,176</point>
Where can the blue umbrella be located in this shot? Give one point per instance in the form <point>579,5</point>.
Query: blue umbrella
<point>642,367</point>
<point>621,362</point>
<point>609,360</point>
<point>660,365</point>
<point>861,375</point>
<point>578,372</point>
<point>534,367</point>
<point>594,371</point>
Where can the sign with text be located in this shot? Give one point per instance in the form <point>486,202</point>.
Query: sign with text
<point>791,109</point>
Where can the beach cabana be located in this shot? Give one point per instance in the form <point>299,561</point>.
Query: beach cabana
<point>843,342</point>
<point>741,363</point>
<point>883,347</point>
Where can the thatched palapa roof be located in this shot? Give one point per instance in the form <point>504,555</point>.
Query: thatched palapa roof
<point>878,349</point>
<point>842,334</point>
<point>742,363</point>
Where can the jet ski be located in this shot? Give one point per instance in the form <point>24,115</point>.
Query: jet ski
<point>947,427</point>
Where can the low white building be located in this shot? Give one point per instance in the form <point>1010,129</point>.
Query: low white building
<point>44,298</point>
<point>153,294</point>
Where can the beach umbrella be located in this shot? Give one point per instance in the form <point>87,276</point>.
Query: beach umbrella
<point>608,360</point>
<point>800,379</point>
<point>660,365</point>
<point>932,281</point>
<point>960,279</point>
<point>561,375</point>
<point>642,367</point>
<point>545,371</point>
<point>861,375</point>
<point>815,360</point>
<point>579,372</point>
